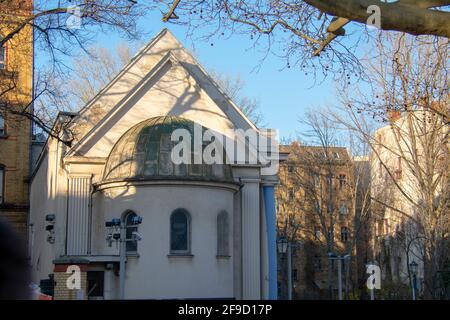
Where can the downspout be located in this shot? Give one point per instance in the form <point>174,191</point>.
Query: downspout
<point>123,258</point>
<point>91,204</point>
<point>270,213</point>
<point>30,151</point>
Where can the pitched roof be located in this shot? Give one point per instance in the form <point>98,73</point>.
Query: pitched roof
<point>163,48</point>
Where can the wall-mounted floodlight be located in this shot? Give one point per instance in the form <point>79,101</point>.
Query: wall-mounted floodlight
<point>112,223</point>
<point>136,236</point>
<point>50,239</point>
<point>50,227</point>
<point>118,232</point>
<point>50,217</point>
<point>136,220</point>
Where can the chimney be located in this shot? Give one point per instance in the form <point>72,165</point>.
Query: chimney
<point>394,115</point>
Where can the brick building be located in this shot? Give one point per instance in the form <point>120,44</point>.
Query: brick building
<point>317,218</point>
<point>16,69</point>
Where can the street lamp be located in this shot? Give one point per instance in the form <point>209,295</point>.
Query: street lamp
<point>341,259</point>
<point>285,247</point>
<point>413,266</point>
<point>282,244</point>
<point>118,232</point>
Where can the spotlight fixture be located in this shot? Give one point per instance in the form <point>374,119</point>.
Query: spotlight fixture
<point>50,217</point>
<point>136,236</point>
<point>136,220</point>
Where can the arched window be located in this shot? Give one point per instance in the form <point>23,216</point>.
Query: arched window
<point>131,246</point>
<point>223,247</point>
<point>2,183</point>
<point>180,225</point>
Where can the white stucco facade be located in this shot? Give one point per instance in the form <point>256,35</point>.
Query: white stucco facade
<point>162,80</point>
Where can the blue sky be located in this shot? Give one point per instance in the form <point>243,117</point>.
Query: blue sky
<point>284,94</point>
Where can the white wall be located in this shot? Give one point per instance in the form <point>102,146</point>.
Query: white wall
<point>153,274</point>
<point>41,251</point>
<point>47,196</point>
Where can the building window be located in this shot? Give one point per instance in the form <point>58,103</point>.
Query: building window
<point>2,56</point>
<point>344,234</point>
<point>343,209</point>
<point>2,126</point>
<point>223,234</point>
<point>330,235</point>
<point>291,194</point>
<point>342,180</point>
<point>180,232</point>
<point>317,263</point>
<point>317,233</point>
<point>294,274</point>
<point>2,183</point>
<point>131,245</point>
<point>95,285</point>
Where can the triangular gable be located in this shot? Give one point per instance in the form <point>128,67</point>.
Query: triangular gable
<point>162,52</point>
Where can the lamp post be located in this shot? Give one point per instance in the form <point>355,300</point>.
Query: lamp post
<point>413,266</point>
<point>340,259</point>
<point>285,247</point>
<point>118,233</point>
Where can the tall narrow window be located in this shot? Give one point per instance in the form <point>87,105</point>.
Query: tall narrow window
<point>2,183</point>
<point>2,125</point>
<point>180,232</point>
<point>291,194</point>
<point>317,263</point>
<point>294,274</point>
<point>344,234</point>
<point>343,209</point>
<point>342,180</point>
<point>131,245</point>
<point>223,247</point>
<point>2,56</point>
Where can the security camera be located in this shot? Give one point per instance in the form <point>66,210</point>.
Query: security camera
<point>50,239</point>
<point>136,236</point>
<point>109,239</point>
<point>50,217</point>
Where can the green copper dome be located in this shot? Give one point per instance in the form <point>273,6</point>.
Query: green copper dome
<point>144,153</point>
